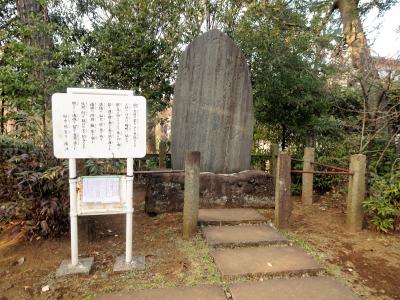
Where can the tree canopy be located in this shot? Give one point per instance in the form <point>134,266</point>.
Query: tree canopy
<point>305,61</point>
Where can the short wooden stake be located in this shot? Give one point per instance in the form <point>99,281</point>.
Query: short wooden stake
<point>356,193</point>
<point>191,194</point>
<point>274,159</point>
<point>283,205</point>
<point>307,178</point>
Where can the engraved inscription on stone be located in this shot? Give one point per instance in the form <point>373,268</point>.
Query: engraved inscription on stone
<point>213,105</point>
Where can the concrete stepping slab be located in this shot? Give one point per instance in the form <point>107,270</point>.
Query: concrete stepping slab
<point>233,216</point>
<point>84,267</point>
<point>243,235</point>
<point>316,288</point>
<point>206,292</point>
<point>263,260</point>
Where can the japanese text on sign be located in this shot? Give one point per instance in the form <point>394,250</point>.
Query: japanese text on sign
<point>98,126</point>
<point>101,189</point>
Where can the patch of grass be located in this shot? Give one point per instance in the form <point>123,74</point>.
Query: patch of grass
<point>321,258</point>
<point>299,242</point>
<point>202,269</point>
<point>157,281</point>
<point>335,271</point>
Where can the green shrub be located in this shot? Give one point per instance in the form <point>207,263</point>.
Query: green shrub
<point>33,188</point>
<point>152,163</point>
<point>331,153</point>
<point>296,189</point>
<point>259,161</point>
<point>383,204</point>
<point>95,167</point>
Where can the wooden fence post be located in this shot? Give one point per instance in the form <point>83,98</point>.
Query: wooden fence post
<point>283,205</point>
<point>191,193</point>
<point>356,193</point>
<point>274,159</point>
<point>307,179</point>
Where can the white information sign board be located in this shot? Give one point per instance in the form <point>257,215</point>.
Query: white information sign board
<point>98,125</point>
<point>91,123</point>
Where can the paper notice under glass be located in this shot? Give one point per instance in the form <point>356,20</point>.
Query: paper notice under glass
<point>101,189</point>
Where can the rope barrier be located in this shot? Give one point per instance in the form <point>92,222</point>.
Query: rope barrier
<point>322,172</point>
<point>330,166</point>
<point>158,172</point>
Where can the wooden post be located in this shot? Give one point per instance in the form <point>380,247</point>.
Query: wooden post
<point>283,205</point>
<point>162,149</point>
<point>191,194</point>
<point>356,193</point>
<point>274,159</point>
<point>307,179</point>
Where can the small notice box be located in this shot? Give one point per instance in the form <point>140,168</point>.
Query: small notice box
<point>98,195</point>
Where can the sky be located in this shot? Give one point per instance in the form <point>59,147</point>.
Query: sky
<point>383,33</point>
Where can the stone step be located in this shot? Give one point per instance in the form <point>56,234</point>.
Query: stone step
<point>205,292</point>
<point>263,260</point>
<point>316,288</point>
<point>243,235</point>
<point>229,216</point>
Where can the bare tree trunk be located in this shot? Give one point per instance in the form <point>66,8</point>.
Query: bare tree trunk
<point>207,15</point>
<point>25,8</point>
<point>311,139</point>
<point>397,144</point>
<point>2,122</point>
<point>30,12</point>
<point>372,88</point>
<point>283,140</point>
<point>151,136</point>
<point>373,91</point>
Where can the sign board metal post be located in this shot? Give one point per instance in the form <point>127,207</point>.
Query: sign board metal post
<point>92,123</point>
<point>73,211</point>
<point>129,210</point>
<point>129,262</point>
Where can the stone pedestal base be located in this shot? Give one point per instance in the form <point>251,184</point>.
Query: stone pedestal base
<point>84,266</point>
<point>255,189</point>
<point>137,263</point>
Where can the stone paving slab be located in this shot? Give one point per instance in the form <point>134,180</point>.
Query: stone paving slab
<point>206,292</point>
<point>263,260</point>
<point>225,216</point>
<point>243,235</point>
<point>316,288</point>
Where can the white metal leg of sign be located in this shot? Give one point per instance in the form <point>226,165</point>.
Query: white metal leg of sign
<point>129,209</point>
<point>73,212</point>
<point>75,265</point>
<point>129,262</point>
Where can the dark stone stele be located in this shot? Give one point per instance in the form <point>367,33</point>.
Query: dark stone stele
<point>164,192</point>
<point>212,110</point>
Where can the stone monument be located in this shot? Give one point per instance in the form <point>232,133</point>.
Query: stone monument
<point>213,106</point>
<point>212,113</point>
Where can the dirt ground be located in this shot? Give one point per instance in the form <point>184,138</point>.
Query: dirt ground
<point>368,262</point>
<point>170,261</point>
